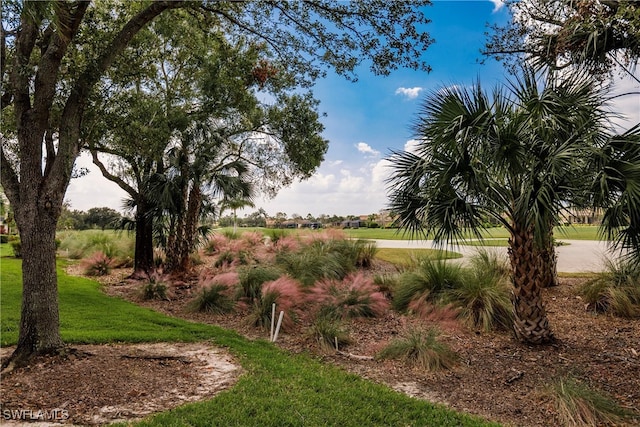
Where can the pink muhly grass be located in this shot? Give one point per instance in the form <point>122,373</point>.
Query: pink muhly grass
<point>217,243</point>
<point>446,316</point>
<point>287,243</point>
<point>355,296</point>
<point>229,279</point>
<point>286,293</point>
<point>253,238</point>
<point>98,264</point>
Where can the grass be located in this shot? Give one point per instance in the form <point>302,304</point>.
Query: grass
<point>422,348</point>
<point>276,389</point>
<point>579,405</point>
<point>406,257</point>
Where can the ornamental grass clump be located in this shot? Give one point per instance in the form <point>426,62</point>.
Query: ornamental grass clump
<point>422,348</point>
<point>329,333</point>
<point>355,296</point>
<point>579,405</point>
<point>215,298</point>
<point>427,282</point>
<point>615,290</point>
<point>483,297</point>
<point>98,264</point>
<point>154,289</point>
<point>251,279</point>
<point>286,294</point>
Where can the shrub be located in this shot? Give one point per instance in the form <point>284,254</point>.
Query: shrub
<point>225,259</point>
<point>355,296</point>
<point>491,262</point>
<point>98,264</point>
<point>154,289</point>
<point>215,244</point>
<point>578,405</point>
<point>324,257</point>
<point>16,245</point>
<point>275,234</point>
<point>327,332</point>
<point>215,299</point>
<point>310,265</point>
<point>428,281</point>
<point>251,280</point>
<point>420,347</point>
<point>484,296</point>
<point>386,283</point>
<point>616,290</point>
<point>366,253</point>
<point>4,238</point>
<point>285,293</point>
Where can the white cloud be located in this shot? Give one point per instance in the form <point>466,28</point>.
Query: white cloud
<point>411,145</point>
<point>409,92</point>
<point>497,5</point>
<point>365,148</point>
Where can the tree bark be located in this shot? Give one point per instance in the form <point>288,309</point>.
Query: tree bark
<point>548,265</point>
<point>530,319</point>
<point>143,263</point>
<point>39,322</point>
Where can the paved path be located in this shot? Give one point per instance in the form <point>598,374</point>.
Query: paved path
<point>576,256</point>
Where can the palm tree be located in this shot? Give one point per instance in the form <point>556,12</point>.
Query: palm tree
<point>520,155</point>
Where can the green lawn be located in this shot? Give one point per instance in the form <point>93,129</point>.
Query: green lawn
<point>277,388</point>
<point>574,232</point>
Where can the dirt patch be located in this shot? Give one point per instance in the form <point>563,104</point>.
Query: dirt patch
<point>99,384</point>
<point>496,377</point>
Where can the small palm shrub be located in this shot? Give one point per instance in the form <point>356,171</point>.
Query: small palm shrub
<point>285,293</point>
<point>427,282</point>
<point>98,264</point>
<point>579,405</point>
<point>355,296</point>
<point>154,289</point>
<point>616,290</point>
<point>422,348</point>
<point>328,333</point>
<point>251,280</point>
<point>215,298</point>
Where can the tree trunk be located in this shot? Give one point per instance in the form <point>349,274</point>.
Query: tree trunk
<point>39,320</point>
<point>179,254</point>
<point>548,262</point>
<point>143,263</point>
<point>548,265</point>
<point>530,319</point>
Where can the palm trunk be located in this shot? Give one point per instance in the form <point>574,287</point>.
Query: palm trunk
<point>143,263</point>
<point>530,319</point>
<point>548,265</point>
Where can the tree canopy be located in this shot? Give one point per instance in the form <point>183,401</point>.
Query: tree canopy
<point>54,55</point>
<point>598,34</point>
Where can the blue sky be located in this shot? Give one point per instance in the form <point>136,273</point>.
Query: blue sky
<point>367,119</point>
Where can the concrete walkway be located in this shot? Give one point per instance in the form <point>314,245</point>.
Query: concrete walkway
<point>576,256</point>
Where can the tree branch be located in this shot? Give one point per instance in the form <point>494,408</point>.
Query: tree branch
<point>111,177</point>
